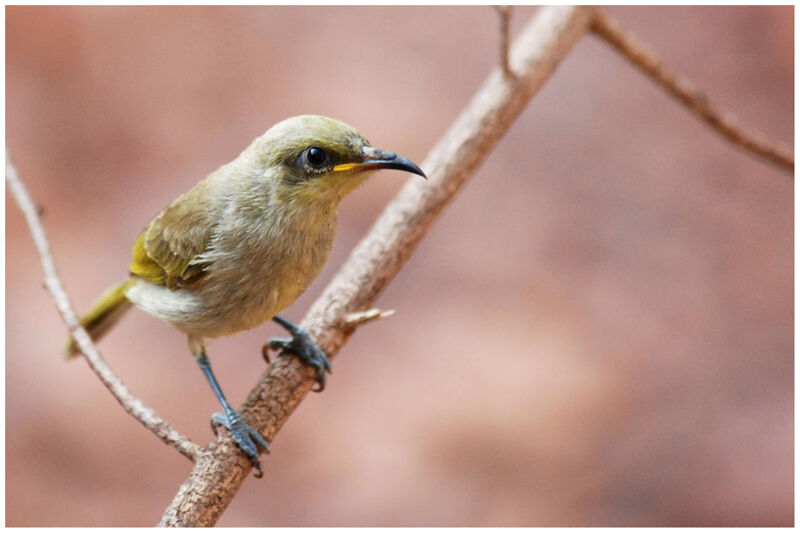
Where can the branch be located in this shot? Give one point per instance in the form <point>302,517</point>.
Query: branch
<point>505,37</point>
<point>682,89</point>
<point>220,469</point>
<point>130,403</point>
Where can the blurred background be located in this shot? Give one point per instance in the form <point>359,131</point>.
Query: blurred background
<point>598,331</point>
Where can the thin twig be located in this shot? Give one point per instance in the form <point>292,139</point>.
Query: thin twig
<point>132,404</point>
<point>505,38</point>
<point>681,88</point>
<point>351,320</point>
<point>220,469</point>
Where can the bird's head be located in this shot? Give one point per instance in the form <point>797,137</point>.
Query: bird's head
<point>315,159</point>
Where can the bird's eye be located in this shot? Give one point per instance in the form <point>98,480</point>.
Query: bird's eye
<point>316,157</point>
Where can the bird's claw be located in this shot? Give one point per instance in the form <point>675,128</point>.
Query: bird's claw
<point>247,438</point>
<point>309,353</point>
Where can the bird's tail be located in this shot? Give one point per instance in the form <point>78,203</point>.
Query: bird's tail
<point>103,315</point>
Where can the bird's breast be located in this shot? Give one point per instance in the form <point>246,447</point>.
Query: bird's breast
<point>250,280</point>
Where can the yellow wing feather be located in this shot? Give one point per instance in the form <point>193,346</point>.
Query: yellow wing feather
<point>166,250</point>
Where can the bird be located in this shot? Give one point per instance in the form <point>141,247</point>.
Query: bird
<point>243,244</point>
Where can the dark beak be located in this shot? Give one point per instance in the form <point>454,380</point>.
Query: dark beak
<point>375,159</point>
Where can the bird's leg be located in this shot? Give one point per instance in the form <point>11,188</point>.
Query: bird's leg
<point>303,346</point>
<point>247,438</point>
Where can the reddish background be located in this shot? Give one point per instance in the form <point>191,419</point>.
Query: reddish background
<point>599,331</point>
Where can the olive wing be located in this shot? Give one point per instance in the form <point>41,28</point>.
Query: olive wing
<point>166,251</point>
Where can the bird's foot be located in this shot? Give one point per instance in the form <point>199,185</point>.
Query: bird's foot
<point>247,438</point>
<point>310,354</point>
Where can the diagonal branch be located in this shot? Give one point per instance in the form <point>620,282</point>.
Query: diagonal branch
<point>220,469</point>
<point>682,89</point>
<point>131,403</point>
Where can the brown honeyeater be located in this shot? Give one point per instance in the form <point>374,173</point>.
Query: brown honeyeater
<point>244,243</point>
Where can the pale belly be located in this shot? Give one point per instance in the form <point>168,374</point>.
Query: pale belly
<point>230,297</point>
<point>214,313</point>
